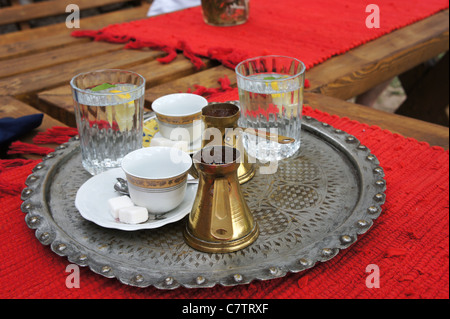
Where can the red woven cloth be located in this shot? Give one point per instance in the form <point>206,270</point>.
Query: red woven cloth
<point>409,242</point>
<point>311,31</point>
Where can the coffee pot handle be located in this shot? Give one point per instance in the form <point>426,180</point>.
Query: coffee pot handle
<point>221,224</point>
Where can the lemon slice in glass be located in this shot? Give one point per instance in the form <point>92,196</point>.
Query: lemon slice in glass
<point>278,99</point>
<point>122,113</point>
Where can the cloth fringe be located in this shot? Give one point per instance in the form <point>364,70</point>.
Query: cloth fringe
<point>171,52</point>
<point>132,43</point>
<point>27,148</point>
<point>11,184</point>
<point>225,85</point>
<point>228,57</point>
<point>55,134</point>
<point>13,163</point>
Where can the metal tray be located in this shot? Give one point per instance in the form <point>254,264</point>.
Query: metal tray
<point>317,203</point>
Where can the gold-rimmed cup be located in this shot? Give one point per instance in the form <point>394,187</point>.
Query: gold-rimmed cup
<point>157,177</point>
<point>179,116</point>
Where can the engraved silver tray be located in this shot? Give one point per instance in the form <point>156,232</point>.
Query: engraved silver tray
<point>317,203</point>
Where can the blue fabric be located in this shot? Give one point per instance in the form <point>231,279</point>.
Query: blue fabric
<point>12,129</point>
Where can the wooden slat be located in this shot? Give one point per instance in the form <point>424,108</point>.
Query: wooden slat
<point>207,78</point>
<point>362,68</point>
<point>61,74</point>
<point>59,103</point>
<point>37,44</point>
<point>435,135</point>
<point>156,73</point>
<point>44,9</point>
<point>42,39</point>
<point>57,56</point>
<point>93,22</point>
<point>22,25</point>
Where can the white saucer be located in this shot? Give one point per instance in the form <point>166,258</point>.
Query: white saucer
<point>92,203</point>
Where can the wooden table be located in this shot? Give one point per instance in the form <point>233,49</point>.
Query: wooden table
<point>36,66</point>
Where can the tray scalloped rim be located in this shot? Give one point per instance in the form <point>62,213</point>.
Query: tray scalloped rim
<point>368,209</point>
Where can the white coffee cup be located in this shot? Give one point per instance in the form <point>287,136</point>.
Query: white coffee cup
<point>157,177</point>
<point>179,116</point>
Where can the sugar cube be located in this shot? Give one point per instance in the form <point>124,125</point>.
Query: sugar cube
<point>116,203</point>
<point>133,215</point>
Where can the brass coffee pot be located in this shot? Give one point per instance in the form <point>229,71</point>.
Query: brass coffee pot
<point>220,220</point>
<point>223,118</point>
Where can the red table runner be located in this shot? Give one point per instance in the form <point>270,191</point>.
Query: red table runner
<point>409,242</point>
<point>311,31</point>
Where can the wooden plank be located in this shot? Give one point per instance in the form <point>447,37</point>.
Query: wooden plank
<point>22,25</point>
<point>57,56</point>
<point>17,44</point>
<point>435,135</point>
<point>36,45</point>
<point>93,22</point>
<point>156,73</point>
<point>207,78</point>
<point>44,9</point>
<point>61,74</point>
<point>58,101</point>
<point>362,68</point>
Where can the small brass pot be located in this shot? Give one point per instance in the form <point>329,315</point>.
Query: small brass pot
<point>220,220</point>
<point>223,118</point>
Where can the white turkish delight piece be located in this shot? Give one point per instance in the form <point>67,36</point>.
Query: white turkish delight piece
<point>116,203</point>
<point>133,215</point>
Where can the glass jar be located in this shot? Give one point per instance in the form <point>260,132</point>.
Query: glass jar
<point>225,12</point>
